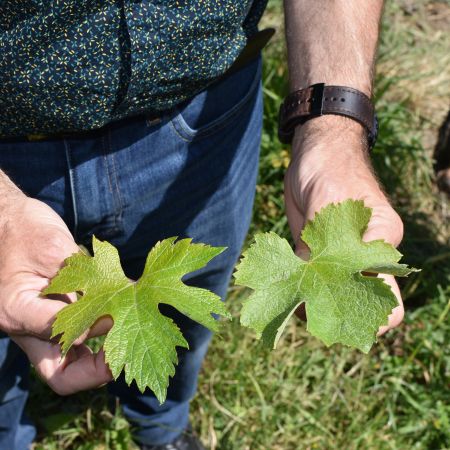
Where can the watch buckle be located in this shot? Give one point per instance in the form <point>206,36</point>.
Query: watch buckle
<point>317,99</point>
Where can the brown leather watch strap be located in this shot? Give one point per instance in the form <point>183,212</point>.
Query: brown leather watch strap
<point>320,99</point>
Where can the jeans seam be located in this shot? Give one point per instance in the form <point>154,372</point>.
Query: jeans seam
<point>116,183</point>
<point>72,188</point>
<point>177,132</point>
<point>108,176</point>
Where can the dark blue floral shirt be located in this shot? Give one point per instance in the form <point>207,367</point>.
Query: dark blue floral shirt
<point>69,65</point>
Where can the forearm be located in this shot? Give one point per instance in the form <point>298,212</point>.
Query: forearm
<point>332,41</point>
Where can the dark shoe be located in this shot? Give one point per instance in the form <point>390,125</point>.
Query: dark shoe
<point>187,441</point>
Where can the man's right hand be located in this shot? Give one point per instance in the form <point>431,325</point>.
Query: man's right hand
<point>34,242</point>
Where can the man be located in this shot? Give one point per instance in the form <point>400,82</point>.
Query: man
<point>145,133</point>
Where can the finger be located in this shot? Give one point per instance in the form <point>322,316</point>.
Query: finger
<point>396,316</point>
<point>30,314</point>
<point>27,312</point>
<point>87,370</point>
<point>66,298</point>
<point>78,371</point>
<point>300,312</point>
<point>302,250</point>
<point>100,328</point>
<point>75,352</point>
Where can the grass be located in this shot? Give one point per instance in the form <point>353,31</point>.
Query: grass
<point>305,396</point>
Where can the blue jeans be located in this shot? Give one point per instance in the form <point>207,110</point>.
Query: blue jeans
<point>191,172</point>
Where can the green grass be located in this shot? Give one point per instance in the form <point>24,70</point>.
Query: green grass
<point>305,396</point>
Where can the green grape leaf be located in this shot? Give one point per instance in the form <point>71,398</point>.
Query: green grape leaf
<point>142,340</point>
<point>342,305</point>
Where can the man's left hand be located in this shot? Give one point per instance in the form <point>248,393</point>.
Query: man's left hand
<point>330,164</point>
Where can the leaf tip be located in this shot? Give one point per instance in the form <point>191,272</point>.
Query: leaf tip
<point>221,249</point>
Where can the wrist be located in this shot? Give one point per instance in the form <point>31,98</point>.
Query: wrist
<point>302,106</point>
<point>331,134</point>
<point>11,197</point>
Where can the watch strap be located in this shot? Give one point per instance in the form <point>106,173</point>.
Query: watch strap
<point>319,99</point>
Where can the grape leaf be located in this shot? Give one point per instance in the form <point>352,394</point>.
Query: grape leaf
<point>142,340</point>
<point>342,305</point>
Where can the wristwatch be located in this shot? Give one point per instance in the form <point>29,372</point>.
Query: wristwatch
<point>319,99</point>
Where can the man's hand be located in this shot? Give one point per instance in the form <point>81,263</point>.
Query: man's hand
<point>330,164</point>
<point>335,43</point>
<point>34,242</point>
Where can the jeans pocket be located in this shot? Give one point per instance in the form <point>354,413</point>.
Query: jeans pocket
<point>218,106</point>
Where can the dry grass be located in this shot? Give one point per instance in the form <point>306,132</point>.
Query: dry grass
<point>415,51</point>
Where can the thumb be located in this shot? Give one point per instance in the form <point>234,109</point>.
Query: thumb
<point>387,225</point>
<point>384,224</point>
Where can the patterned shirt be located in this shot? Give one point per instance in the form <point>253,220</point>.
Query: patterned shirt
<point>71,65</point>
